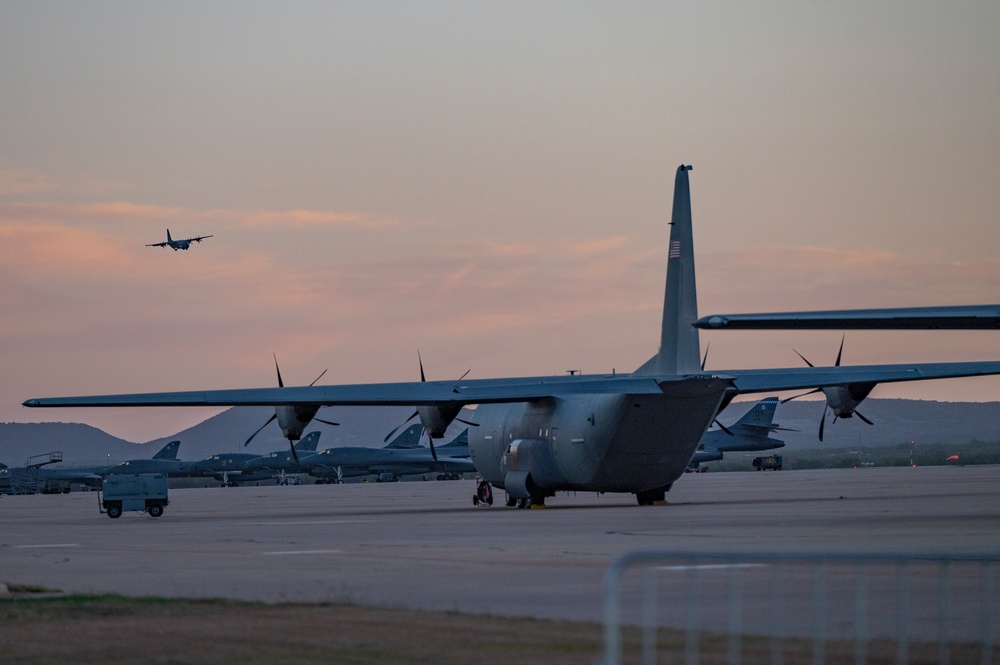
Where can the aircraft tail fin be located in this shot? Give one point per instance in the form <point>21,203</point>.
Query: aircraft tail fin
<point>460,440</point>
<point>679,344</point>
<point>169,239</point>
<point>308,443</point>
<point>168,451</point>
<point>408,438</point>
<point>760,415</point>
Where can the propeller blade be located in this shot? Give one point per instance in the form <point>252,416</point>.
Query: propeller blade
<point>295,455</point>
<point>465,375</point>
<point>318,378</point>
<point>863,418</point>
<point>326,422</point>
<point>822,421</point>
<point>247,442</point>
<point>704,358</point>
<point>814,390</point>
<point>389,435</point>
<point>724,428</point>
<point>430,440</point>
<point>281,384</point>
<point>840,352</point>
<point>804,358</point>
<point>421,361</point>
<point>467,422</point>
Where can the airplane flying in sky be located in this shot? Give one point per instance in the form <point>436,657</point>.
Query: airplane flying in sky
<point>750,432</point>
<point>612,432</point>
<point>177,244</point>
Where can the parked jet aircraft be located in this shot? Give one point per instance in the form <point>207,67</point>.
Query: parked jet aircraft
<point>285,461</point>
<point>605,433</point>
<point>401,457</point>
<point>178,244</point>
<point>748,433</point>
<point>234,469</point>
<point>164,461</point>
<point>226,468</point>
<point>92,475</point>
<point>335,463</point>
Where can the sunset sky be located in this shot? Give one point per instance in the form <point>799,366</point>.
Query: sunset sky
<point>486,183</point>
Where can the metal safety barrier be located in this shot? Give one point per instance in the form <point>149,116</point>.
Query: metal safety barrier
<point>773,607</point>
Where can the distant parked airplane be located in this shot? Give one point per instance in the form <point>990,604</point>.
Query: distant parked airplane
<point>177,244</point>
<point>748,433</point>
<point>163,461</point>
<point>399,458</point>
<point>238,468</point>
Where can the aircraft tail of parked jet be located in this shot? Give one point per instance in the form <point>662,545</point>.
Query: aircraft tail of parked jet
<point>759,420</point>
<point>750,432</point>
<point>408,438</point>
<point>308,443</point>
<point>168,451</point>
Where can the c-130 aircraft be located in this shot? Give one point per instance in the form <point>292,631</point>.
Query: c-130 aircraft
<point>184,243</point>
<point>630,433</point>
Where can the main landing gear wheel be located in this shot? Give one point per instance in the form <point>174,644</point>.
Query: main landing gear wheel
<point>508,500</point>
<point>483,495</point>
<point>653,497</point>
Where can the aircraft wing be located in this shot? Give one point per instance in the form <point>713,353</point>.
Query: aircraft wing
<point>198,239</point>
<point>157,244</point>
<point>429,393</point>
<point>973,317</point>
<point>796,378</point>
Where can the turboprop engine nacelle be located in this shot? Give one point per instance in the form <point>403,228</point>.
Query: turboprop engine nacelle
<point>843,400</point>
<point>436,419</point>
<point>293,420</point>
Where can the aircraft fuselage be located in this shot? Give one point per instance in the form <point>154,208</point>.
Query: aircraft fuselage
<point>601,443</point>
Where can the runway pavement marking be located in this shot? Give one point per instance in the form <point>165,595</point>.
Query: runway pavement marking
<point>25,547</point>
<point>714,566</point>
<point>302,552</point>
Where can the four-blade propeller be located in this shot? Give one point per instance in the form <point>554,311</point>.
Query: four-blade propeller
<point>846,398</point>
<point>292,419</point>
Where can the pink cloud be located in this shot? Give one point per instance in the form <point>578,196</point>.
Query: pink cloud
<point>315,217</point>
<point>20,182</point>
<point>61,212</point>
<point>596,246</point>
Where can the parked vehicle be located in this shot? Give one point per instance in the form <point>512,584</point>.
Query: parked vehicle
<point>772,462</point>
<point>143,492</point>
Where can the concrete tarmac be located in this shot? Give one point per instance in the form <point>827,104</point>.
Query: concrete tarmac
<point>424,545</point>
